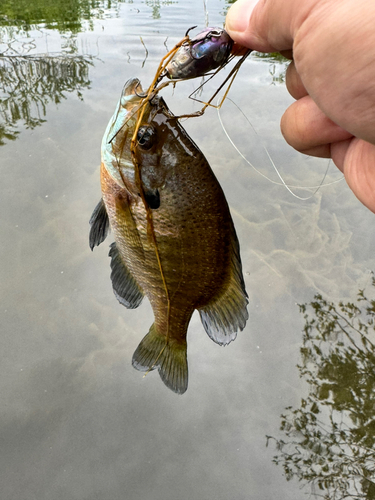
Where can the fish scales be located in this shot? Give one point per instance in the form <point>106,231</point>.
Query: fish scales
<point>199,266</point>
<point>187,234</point>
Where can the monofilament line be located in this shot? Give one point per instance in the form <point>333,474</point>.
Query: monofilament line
<point>283,183</point>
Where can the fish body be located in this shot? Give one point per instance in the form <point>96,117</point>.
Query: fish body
<point>184,255</point>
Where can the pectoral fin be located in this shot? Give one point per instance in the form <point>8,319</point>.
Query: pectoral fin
<point>125,287</point>
<point>99,223</point>
<point>227,312</point>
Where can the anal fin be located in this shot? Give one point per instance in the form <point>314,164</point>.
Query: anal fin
<point>125,287</point>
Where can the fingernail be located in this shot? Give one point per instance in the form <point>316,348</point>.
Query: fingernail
<point>239,14</point>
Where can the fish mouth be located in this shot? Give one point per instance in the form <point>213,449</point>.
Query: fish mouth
<point>125,110</point>
<point>133,87</point>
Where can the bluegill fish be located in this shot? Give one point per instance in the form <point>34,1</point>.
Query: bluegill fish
<point>174,237</point>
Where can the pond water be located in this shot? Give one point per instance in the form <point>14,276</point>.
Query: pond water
<point>77,421</point>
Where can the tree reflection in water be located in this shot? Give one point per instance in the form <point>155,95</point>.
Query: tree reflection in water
<point>330,438</point>
<point>28,83</point>
<point>61,15</point>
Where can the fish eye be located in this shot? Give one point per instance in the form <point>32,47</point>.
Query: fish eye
<point>146,137</point>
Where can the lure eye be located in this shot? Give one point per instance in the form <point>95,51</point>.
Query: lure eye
<point>215,33</point>
<point>146,137</point>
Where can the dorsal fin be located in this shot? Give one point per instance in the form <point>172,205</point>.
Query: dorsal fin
<point>227,312</point>
<point>99,223</point>
<point>125,287</point>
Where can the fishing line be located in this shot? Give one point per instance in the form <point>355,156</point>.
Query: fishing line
<point>282,183</point>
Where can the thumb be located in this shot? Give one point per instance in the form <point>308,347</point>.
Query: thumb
<point>266,25</point>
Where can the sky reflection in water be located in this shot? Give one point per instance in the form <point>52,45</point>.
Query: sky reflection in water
<point>77,420</point>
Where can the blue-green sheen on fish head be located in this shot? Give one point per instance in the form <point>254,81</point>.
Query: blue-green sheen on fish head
<point>115,149</point>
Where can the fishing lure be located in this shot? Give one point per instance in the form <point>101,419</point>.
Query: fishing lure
<point>209,50</point>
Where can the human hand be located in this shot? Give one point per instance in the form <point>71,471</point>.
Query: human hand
<point>331,76</point>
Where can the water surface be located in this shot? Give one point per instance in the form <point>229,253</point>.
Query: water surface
<point>77,421</point>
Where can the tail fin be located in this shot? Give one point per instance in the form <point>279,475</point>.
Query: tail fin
<point>168,356</point>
